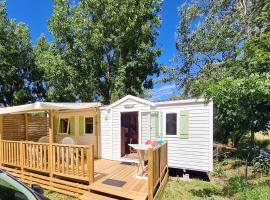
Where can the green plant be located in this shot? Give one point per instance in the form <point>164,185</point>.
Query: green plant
<point>235,184</point>
<point>218,170</point>
<point>261,164</point>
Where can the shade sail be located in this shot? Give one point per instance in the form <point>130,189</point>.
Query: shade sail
<point>43,106</point>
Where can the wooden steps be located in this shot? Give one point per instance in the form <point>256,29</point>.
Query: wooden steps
<point>116,191</point>
<point>93,196</point>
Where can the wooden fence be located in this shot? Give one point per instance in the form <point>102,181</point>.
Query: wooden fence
<point>50,165</point>
<point>158,172</point>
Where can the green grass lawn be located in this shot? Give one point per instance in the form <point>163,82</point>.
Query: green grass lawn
<point>226,182</point>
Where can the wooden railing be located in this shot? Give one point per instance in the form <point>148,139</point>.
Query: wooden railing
<point>70,161</point>
<point>35,156</point>
<point>157,170</point>
<point>76,161</point>
<point>10,153</point>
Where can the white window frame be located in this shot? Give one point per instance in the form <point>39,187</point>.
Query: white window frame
<point>164,124</point>
<point>94,126</point>
<point>58,129</point>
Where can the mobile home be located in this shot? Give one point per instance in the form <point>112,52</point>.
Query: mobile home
<point>187,125</point>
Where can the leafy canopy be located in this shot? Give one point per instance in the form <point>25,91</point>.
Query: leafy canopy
<point>223,54</point>
<point>19,77</point>
<point>101,49</point>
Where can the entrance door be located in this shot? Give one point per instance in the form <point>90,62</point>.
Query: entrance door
<point>129,132</point>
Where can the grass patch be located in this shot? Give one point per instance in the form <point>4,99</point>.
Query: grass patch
<point>226,182</point>
<point>56,196</point>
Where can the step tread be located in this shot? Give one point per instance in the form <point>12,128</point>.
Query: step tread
<point>90,196</point>
<point>120,192</point>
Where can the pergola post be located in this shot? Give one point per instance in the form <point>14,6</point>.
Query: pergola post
<point>51,141</point>
<point>26,126</point>
<point>1,135</point>
<point>51,137</point>
<point>98,132</point>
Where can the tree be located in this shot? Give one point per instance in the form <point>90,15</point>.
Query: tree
<point>209,34</point>
<point>223,55</point>
<point>19,79</point>
<point>106,49</point>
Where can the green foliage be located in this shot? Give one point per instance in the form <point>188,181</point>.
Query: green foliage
<point>218,171</point>
<point>101,49</point>
<point>261,164</point>
<point>20,81</point>
<point>224,55</point>
<point>235,184</point>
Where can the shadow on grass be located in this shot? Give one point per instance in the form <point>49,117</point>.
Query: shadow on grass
<point>192,174</point>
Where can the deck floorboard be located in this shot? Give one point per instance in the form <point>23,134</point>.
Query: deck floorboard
<point>133,188</point>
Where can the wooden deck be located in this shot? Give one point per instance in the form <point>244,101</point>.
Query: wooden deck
<point>72,170</point>
<point>130,187</point>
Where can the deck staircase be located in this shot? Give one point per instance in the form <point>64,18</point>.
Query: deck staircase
<point>101,191</point>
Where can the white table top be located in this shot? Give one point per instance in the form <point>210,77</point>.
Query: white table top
<point>144,147</point>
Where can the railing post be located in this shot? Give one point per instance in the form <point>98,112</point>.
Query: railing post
<point>150,174</point>
<point>22,159</point>
<point>50,157</point>
<point>90,163</point>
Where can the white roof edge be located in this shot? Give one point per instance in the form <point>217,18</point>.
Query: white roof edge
<point>42,106</point>
<point>184,101</point>
<point>133,98</point>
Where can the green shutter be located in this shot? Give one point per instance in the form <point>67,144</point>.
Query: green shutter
<point>161,124</point>
<point>157,133</point>
<point>72,125</point>
<point>81,125</point>
<point>55,124</point>
<point>183,125</point>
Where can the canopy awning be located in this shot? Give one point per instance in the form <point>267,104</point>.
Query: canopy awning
<point>44,106</point>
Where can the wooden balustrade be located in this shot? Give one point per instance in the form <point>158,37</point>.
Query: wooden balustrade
<point>35,156</point>
<point>157,170</point>
<point>70,161</point>
<point>73,160</point>
<point>10,153</point>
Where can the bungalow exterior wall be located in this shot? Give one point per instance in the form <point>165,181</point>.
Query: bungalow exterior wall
<point>195,152</point>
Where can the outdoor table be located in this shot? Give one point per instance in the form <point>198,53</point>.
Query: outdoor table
<point>141,150</point>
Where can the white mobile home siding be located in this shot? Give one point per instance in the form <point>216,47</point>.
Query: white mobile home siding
<point>105,134</point>
<point>193,153</point>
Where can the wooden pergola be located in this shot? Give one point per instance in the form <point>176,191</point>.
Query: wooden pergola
<point>68,168</point>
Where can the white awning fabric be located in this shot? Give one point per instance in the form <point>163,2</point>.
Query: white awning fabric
<point>43,106</point>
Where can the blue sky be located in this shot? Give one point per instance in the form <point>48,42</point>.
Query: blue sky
<point>35,13</point>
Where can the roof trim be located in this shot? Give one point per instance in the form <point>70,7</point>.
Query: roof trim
<point>43,106</point>
<point>184,101</point>
<point>133,98</point>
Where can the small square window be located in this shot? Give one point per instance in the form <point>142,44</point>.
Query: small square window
<point>171,124</point>
<point>64,126</point>
<point>89,125</point>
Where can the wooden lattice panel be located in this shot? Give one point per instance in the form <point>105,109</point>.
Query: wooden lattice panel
<point>13,127</point>
<point>38,126</point>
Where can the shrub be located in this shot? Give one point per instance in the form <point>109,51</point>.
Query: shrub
<point>235,184</point>
<point>218,170</point>
<point>261,164</point>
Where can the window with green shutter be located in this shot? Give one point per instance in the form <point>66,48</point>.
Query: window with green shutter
<point>157,132</point>
<point>183,125</point>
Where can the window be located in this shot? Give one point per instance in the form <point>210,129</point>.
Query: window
<point>171,124</point>
<point>89,125</point>
<point>64,127</point>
